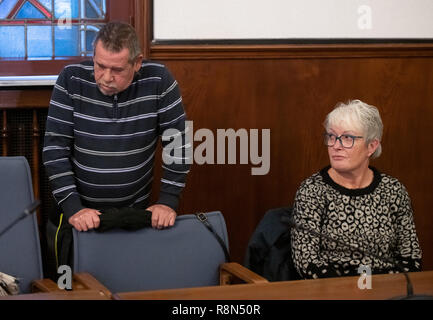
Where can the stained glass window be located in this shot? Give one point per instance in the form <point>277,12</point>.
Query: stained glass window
<point>47,29</point>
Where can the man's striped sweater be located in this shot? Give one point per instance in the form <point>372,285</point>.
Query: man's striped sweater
<point>99,150</point>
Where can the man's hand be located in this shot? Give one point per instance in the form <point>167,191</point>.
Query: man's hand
<point>85,219</point>
<point>162,216</point>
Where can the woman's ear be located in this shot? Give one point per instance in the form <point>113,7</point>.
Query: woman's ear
<point>372,146</point>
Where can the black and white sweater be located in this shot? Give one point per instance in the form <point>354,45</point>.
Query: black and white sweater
<point>377,219</point>
<point>99,150</point>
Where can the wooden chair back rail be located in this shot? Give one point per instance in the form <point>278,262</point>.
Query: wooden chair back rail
<point>80,282</point>
<point>233,269</point>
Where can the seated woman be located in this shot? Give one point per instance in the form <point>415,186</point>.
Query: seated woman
<point>354,203</point>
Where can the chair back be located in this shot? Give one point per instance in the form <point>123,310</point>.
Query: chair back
<point>20,251</point>
<point>269,250</point>
<point>185,255</point>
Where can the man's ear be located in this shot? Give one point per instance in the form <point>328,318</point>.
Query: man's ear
<point>137,62</point>
<point>372,146</point>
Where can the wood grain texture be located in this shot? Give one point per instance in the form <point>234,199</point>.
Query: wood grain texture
<point>384,286</point>
<point>291,97</point>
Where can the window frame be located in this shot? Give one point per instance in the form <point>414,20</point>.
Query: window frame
<point>23,67</point>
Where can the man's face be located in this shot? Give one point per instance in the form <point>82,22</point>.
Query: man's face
<point>113,71</point>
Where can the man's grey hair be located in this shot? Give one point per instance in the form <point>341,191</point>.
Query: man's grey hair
<point>361,116</point>
<point>115,36</point>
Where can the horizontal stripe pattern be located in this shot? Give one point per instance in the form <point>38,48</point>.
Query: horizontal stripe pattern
<point>103,148</point>
<point>115,154</point>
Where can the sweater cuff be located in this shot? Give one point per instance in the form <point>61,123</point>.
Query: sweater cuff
<point>71,205</point>
<point>169,200</point>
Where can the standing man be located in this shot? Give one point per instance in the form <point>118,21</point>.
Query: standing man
<point>103,125</point>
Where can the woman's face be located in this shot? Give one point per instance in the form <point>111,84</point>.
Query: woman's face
<point>350,159</point>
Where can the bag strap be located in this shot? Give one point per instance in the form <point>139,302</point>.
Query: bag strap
<point>202,217</point>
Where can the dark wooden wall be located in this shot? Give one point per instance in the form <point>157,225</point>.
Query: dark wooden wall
<point>290,89</point>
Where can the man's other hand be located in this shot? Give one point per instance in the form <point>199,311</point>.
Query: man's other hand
<point>162,216</point>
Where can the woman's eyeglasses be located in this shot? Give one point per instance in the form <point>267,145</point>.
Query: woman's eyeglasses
<point>347,141</point>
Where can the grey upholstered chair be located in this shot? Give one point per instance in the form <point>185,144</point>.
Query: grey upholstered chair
<point>20,252</point>
<point>186,255</point>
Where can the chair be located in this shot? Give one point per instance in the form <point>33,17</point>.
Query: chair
<point>20,252</point>
<point>185,255</point>
<point>269,251</point>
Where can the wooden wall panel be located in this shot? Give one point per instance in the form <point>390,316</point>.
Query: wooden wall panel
<point>289,91</point>
<point>291,97</point>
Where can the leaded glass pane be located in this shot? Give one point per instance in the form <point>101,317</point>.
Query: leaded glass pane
<point>88,34</point>
<point>72,27</point>
<point>67,41</point>
<point>6,7</point>
<point>66,9</point>
<point>28,11</point>
<point>47,4</point>
<point>94,10</point>
<point>13,36</point>
<point>90,11</point>
<point>39,44</point>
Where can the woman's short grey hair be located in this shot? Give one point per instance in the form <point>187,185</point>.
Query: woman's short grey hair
<point>115,36</point>
<point>361,116</point>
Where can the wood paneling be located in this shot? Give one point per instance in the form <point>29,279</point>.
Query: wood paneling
<point>291,96</point>
<point>288,51</point>
<point>25,97</point>
<point>141,20</point>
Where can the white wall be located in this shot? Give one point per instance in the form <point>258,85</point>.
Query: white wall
<point>281,19</point>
